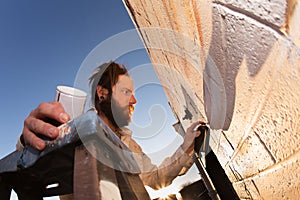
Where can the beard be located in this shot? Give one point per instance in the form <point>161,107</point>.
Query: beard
<point>118,115</point>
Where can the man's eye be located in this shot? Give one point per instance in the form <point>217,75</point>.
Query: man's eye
<point>127,92</point>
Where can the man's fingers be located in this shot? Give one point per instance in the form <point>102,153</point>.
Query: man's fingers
<point>197,133</point>
<point>34,127</point>
<point>31,139</point>
<point>37,126</point>
<point>52,110</point>
<point>193,126</point>
<point>37,123</point>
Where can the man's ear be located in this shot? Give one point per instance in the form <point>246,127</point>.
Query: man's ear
<point>102,92</point>
<point>99,90</point>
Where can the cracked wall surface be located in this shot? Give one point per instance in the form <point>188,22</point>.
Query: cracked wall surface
<point>235,64</point>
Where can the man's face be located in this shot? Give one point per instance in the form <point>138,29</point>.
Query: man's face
<point>123,100</point>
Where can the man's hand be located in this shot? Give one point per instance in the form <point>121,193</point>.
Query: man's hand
<point>36,124</point>
<point>189,139</point>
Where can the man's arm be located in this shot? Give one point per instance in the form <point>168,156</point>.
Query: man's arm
<point>171,167</point>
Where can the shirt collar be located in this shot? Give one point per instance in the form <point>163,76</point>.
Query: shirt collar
<point>124,131</point>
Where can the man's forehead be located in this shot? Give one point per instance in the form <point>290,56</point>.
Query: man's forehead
<point>125,81</point>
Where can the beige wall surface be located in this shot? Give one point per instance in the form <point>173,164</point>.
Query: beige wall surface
<point>235,64</point>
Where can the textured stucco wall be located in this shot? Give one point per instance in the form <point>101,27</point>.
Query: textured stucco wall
<point>236,64</point>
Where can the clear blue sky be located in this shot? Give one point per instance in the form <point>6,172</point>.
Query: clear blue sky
<point>44,43</point>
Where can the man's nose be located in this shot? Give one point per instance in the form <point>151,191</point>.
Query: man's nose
<point>132,100</point>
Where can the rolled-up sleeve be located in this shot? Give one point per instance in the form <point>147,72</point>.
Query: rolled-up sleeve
<point>161,176</point>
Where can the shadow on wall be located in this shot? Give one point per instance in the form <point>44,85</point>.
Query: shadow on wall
<point>233,40</point>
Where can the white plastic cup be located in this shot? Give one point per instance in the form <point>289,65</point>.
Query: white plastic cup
<point>72,99</point>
